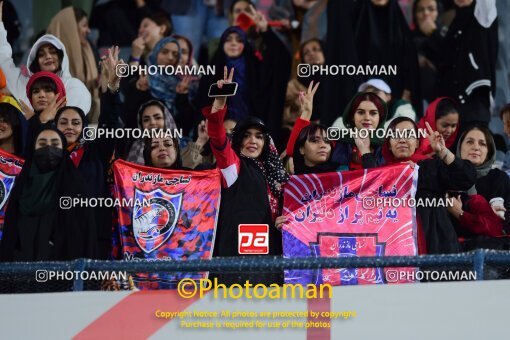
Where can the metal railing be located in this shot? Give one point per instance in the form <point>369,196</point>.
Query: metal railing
<point>477,260</point>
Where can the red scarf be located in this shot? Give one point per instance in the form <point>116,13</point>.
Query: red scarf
<point>76,151</point>
<point>430,117</point>
<point>391,159</point>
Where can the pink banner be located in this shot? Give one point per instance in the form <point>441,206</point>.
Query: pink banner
<point>351,214</point>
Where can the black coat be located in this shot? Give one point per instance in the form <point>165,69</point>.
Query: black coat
<point>61,234</point>
<point>496,184</point>
<point>246,200</point>
<point>94,166</point>
<point>466,64</point>
<point>435,179</point>
<point>360,33</point>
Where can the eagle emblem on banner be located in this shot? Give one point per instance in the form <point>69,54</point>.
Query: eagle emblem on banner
<point>153,223</point>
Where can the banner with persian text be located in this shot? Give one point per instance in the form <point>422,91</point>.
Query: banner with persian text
<point>173,217</point>
<point>350,214</point>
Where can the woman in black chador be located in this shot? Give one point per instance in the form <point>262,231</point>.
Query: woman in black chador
<point>369,33</point>
<point>40,225</point>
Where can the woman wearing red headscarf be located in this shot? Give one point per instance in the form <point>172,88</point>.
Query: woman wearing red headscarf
<point>443,116</point>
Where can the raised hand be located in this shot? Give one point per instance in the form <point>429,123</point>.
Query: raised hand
<point>50,111</point>
<point>137,47</point>
<point>258,18</point>
<point>306,100</point>
<point>109,68</point>
<point>219,102</point>
<point>142,84</point>
<point>436,140</point>
<point>111,63</point>
<point>203,136</point>
<point>183,86</point>
<point>363,144</point>
<point>27,110</point>
<point>456,207</point>
<point>280,220</point>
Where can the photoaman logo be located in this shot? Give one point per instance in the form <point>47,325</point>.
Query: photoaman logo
<point>253,239</point>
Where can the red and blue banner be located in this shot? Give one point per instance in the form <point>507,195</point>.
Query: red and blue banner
<point>173,217</point>
<point>336,215</point>
<point>10,167</point>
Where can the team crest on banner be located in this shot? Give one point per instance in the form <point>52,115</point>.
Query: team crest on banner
<point>350,214</point>
<point>173,217</point>
<point>153,224</point>
<point>10,167</point>
<point>6,184</point>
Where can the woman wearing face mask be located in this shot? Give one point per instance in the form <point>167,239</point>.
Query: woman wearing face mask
<point>477,146</point>
<point>366,111</point>
<point>70,25</point>
<point>47,54</point>
<point>36,227</point>
<point>253,177</point>
<point>436,176</point>
<point>442,115</point>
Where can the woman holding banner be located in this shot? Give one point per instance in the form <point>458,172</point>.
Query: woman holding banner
<point>436,176</point>
<point>365,113</point>
<point>304,157</point>
<point>253,178</point>
<point>163,153</point>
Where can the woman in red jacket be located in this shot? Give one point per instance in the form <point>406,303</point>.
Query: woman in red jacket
<point>253,178</point>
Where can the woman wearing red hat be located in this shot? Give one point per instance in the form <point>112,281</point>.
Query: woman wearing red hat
<point>47,94</point>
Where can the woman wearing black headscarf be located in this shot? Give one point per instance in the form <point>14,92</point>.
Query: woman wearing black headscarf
<point>253,178</point>
<point>38,225</point>
<point>370,32</point>
<point>258,74</point>
<point>92,159</point>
